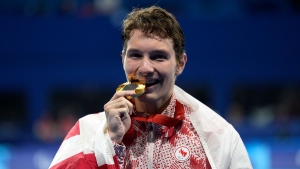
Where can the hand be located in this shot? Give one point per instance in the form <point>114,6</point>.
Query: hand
<point>118,111</point>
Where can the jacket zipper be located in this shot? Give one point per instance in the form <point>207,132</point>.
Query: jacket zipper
<point>151,146</point>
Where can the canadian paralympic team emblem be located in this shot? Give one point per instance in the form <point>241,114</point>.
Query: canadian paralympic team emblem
<point>182,154</point>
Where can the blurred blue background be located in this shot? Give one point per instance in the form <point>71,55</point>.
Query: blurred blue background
<point>60,60</point>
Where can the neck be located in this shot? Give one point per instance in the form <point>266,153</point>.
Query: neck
<point>151,108</point>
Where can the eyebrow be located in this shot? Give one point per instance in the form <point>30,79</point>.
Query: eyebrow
<point>162,51</point>
<point>133,50</point>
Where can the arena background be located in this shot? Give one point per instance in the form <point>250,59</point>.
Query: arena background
<point>60,60</point>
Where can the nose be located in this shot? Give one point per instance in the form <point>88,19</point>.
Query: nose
<point>146,67</point>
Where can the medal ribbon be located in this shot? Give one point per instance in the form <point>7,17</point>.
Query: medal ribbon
<point>155,118</point>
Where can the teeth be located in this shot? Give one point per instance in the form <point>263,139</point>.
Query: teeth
<point>143,81</point>
<point>152,81</point>
<point>134,80</point>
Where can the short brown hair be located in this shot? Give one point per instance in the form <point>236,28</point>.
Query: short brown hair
<point>157,21</point>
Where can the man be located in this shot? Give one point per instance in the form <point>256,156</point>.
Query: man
<point>164,127</point>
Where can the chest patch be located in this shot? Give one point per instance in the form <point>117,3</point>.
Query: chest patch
<point>182,154</point>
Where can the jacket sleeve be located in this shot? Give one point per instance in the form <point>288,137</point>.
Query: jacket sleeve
<point>86,146</point>
<point>239,154</point>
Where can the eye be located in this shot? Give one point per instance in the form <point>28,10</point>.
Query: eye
<point>159,57</point>
<point>134,55</point>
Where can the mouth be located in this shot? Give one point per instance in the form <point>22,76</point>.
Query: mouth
<point>151,83</point>
<point>147,83</point>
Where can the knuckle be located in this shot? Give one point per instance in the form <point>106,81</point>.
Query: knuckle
<point>105,106</point>
<point>118,94</point>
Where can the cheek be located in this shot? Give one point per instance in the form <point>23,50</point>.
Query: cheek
<point>169,74</point>
<point>126,66</point>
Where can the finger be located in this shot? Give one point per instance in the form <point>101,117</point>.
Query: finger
<point>111,107</point>
<point>123,113</point>
<point>123,94</point>
<point>119,114</point>
<point>120,120</point>
<point>111,103</point>
<point>120,102</point>
<point>124,116</point>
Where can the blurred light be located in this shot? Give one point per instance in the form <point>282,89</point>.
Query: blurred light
<point>297,158</point>
<point>4,157</point>
<point>106,7</point>
<point>42,159</point>
<point>117,17</point>
<point>260,155</point>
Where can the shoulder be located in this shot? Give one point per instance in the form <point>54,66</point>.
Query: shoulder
<point>201,115</point>
<point>222,143</point>
<point>91,124</point>
<point>92,118</point>
<point>199,110</point>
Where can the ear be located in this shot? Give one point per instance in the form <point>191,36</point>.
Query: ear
<point>181,64</point>
<point>123,56</point>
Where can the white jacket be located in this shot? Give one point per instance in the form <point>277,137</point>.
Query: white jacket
<point>221,142</point>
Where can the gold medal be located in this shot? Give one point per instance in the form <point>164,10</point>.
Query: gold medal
<point>138,87</point>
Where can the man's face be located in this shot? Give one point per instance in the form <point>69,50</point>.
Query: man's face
<point>154,61</point>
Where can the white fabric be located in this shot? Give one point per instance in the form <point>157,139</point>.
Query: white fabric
<point>67,149</point>
<point>96,141</point>
<point>222,144</point>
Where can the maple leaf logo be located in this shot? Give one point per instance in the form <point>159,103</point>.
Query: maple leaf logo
<point>183,153</point>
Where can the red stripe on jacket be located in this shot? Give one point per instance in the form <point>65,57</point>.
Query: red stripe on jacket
<point>81,160</point>
<point>78,161</point>
<point>84,161</point>
<point>74,131</point>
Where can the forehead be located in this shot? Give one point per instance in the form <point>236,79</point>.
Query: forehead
<point>140,39</point>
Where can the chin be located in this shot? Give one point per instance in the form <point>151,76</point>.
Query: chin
<point>147,98</point>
